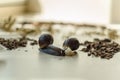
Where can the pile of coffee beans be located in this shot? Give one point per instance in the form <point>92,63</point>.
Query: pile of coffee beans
<point>104,49</point>
<point>16,43</point>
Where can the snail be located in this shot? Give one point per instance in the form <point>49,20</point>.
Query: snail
<point>69,46</point>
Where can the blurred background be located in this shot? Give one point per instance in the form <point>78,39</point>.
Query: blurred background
<point>28,62</point>
<point>91,11</point>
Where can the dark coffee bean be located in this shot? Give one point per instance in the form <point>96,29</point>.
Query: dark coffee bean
<point>89,47</point>
<point>85,50</point>
<point>16,43</point>
<point>101,48</point>
<point>87,42</point>
<point>89,54</point>
<point>34,43</point>
<point>106,40</point>
<point>72,43</point>
<point>13,43</point>
<point>96,39</point>
<point>45,40</point>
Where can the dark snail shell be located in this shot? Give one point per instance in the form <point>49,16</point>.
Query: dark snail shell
<point>72,43</point>
<point>52,50</point>
<point>45,40</point>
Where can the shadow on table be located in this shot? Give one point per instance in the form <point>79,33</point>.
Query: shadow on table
<point>2,64</point>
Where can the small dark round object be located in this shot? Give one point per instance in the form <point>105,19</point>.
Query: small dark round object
<point>45,40</point>
<point>72,43</point>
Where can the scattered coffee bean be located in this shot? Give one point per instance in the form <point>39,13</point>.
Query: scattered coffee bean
<point>16,43</point>
<point>34,43</point>
<point>104,49</point>
<point>13,43</point>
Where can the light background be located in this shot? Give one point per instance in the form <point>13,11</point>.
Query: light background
<point>95,11</point>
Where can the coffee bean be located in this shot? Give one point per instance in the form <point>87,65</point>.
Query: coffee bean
<point>101,48</point>
<point>106,40</point>
<point>34,43</point>
<point>16,43</point>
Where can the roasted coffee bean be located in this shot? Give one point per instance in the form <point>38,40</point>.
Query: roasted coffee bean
<point>96,39</point>
<point>101,48</point>
<point>85,50</point>
<point>72,43</point>
<point>15,43</point>
<point>34,43</point>
<point>45,40</point>
<point>89,54</point>
<point>87,42</point>
<point>106,40</point>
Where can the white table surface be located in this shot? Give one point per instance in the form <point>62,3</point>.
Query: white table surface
<point>34,65</point>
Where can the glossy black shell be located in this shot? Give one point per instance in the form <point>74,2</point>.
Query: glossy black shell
<point>45,40</point>
<point>72,43</point>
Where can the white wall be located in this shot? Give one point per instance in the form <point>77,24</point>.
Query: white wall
<point>115,12</point>
<point>10,1</point>
<point>73,10</point>
<point>12,7</point>
<point>77,10</point>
